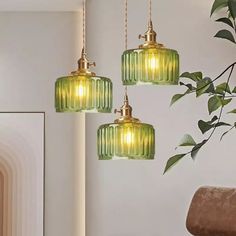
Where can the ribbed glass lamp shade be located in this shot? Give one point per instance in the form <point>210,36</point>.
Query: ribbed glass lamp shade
<point>133,140</point>
<point>157,65</point>
<point>77,93</point>
<point>83,91</point>
<point>126,138</point>
<point>151,63</point>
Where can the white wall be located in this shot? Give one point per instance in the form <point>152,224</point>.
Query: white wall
<point>42,5</point>
<point>35,49</point>
<point>133,198</point>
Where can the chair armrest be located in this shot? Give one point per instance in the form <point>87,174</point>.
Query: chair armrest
<point>212,212</point>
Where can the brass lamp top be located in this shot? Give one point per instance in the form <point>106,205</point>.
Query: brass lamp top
<point>126,112</point>
<point>84,65</point>
<point>150,38</point>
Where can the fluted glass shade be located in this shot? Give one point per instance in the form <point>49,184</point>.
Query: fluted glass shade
<point>87,93</point>
<point>157,65</point>
<point>130,140</point>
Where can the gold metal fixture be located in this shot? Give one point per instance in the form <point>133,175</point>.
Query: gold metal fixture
<point>150,38</point>
<point>126,112</point>
<point>84,65</point>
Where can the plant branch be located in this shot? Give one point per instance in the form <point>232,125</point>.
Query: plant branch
<point>221,109</point>
<point>232,127</point>
<point>206,85</point>
<point>231,66</point>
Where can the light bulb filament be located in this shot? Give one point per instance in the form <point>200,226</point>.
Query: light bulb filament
<point>153,63</point>
<point>80,91</point>
<point>129,138</point>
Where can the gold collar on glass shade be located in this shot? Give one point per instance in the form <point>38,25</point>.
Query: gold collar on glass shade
<point>126,112</point>
<point>150,38</point>
<point>83,65</point>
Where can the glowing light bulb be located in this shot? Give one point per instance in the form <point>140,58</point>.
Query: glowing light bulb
<point>129,138</point>
<point>153,63</point>
<point>80,91</point>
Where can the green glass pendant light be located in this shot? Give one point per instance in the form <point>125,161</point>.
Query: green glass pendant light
<point>82,90</point>
<point>127,138</point>
<point>151,63</point>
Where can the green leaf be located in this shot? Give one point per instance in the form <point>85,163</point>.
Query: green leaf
<point>225,34</point>
<point>214,103</point>
<point>226,132</point>
<point>221,88</point>
<point>196,148</point>
<point>204,126</point>
<point>226,21</point>
<point>189,86</point>
<point>211,88</point>
<point>204,86</point>
<point>224,102</point>
<point>218,4</point>
<point>233,111</point>
<point>232,8</point>
<point>214,118</point>
<point>175,98</point>
<point>221,124</point>
<point>187,140</point>
<point>234,90</point>
<point>195,76</point>
<point>173,161</point>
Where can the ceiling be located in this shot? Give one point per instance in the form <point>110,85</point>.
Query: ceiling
<point>40,5</point>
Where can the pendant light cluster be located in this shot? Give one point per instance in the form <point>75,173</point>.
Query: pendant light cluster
<point>127,137</point>
<point>82,90</point>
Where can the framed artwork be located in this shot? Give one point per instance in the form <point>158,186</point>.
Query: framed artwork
<point>22,153</point>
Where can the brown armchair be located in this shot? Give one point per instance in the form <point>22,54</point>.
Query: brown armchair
<point>212,212</point>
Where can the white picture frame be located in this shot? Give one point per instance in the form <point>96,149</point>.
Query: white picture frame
<point>22,171</point>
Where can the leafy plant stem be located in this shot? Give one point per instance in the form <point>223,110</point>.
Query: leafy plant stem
<point>221,110</point>
<point>231,66</point>
<point>232,127</point>
<point>219,94</point>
